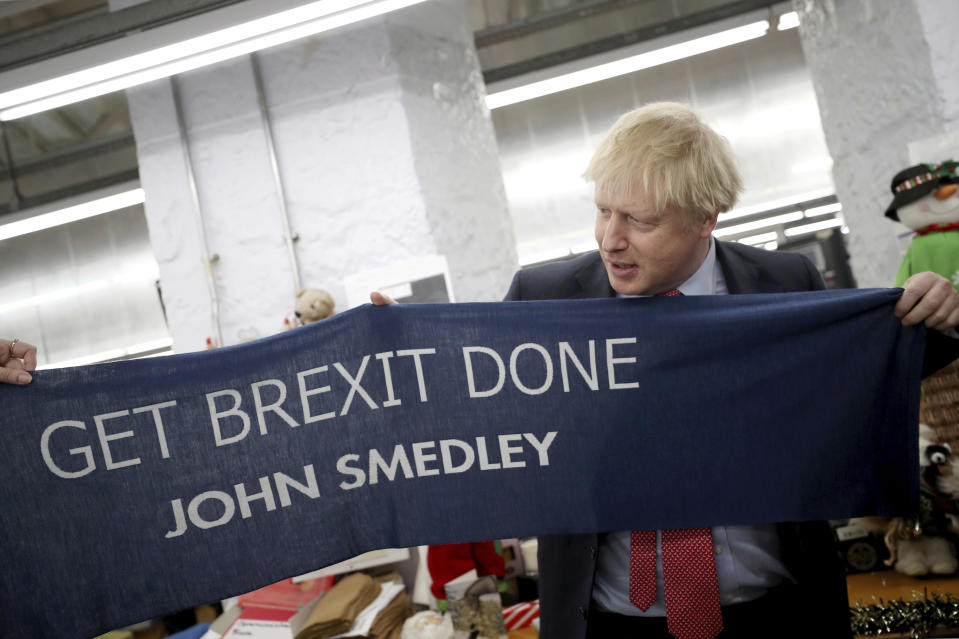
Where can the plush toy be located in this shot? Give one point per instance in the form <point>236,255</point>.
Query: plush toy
<point>922,544</point>
<point>313,305</point>
<point>926,199</point>
<point>428,624</point>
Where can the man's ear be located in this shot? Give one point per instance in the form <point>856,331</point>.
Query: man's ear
<point>708,224</point>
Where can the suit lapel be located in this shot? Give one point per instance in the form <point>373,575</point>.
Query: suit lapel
<point>742,274</point>
<point>593,280</point>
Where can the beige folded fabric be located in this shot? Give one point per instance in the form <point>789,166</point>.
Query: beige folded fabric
<point>337,609</point>
<point>391,617</point>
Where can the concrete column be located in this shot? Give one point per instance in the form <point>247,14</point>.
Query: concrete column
<point>386,152</point>
<point>884,75</point>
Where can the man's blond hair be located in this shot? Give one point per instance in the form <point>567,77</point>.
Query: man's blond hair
<point>665,148</point>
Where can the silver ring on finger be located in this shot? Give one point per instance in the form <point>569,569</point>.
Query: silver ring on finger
<point>14,342</point>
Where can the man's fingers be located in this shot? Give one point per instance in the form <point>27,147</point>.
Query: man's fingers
<point>914,289</point>
<point>378,299</point>
<point>949,323</point>
<point>924,310</point>
<point>26,352</point>
<point>15,360</point>
<point>14,364</point>
<point>947,317</point>
<point>14,376</point>
<point>930,298</point>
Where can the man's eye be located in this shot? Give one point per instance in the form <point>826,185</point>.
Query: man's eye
<point>643,224</point>
<point>603,212</point>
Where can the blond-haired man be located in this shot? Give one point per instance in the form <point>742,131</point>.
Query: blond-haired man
<point>661,178</point>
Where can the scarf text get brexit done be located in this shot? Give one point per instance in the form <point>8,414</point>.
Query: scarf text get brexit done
<point>138,488</point>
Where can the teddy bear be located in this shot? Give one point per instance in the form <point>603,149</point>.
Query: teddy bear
<point>921,544</point>
<point>926,199</point>
<point>313,305</point>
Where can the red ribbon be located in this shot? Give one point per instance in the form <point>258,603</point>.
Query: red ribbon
<point>934,228</point>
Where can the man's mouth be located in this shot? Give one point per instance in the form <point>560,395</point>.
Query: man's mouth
<point>619,268</point>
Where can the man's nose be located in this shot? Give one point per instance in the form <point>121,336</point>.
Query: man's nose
<point>614,236</point>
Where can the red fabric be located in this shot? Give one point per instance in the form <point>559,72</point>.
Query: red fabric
<point>689,583</point>
<point>937,228</point>
<point>642,569</point>
<point>449,561</point>
<point>691,592</point>
<point>520,615</point>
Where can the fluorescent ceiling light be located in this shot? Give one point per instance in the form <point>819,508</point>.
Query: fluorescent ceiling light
<point>743,211</point>
<point>823,210</point>
<point>193,53</point>
<point>788,21</point>
<point>628,65</point>
<point>812,228</point>
<point>785,218</point>
<point>762,238</point>
<point>72,213</point>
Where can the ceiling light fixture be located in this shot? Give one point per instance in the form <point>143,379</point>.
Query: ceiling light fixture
<point>823,210</point>
<point>785,218</point>
<point>192,53</point>
<point>788,21</point>
<point>72,213</point>
<point>762,238</point>
<point>792,200</point>
<point>812,228</point>
<point>627,65</point>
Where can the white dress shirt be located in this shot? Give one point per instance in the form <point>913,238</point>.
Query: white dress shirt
<point>748,561</point>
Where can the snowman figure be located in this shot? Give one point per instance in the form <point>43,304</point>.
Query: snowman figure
<point>926,199</point>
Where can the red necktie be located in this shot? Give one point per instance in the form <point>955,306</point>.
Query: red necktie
<point>689,576</point>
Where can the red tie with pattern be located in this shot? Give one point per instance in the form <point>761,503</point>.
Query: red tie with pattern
<point>689,576</point>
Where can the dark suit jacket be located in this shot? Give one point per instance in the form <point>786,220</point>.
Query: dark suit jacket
<point>568,562</point>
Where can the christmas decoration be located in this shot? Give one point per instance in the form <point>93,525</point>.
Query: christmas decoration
<point>918,618</point>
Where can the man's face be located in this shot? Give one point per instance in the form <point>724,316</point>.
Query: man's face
<point>647,252</point>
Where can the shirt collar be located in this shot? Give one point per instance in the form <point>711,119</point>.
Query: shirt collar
<point>703,281</point>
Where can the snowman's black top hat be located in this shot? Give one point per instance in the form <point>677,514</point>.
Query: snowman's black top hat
<point>917,181</point>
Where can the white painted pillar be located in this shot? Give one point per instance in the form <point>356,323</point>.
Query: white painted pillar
<point>884,75</point>
<point>386,152</point>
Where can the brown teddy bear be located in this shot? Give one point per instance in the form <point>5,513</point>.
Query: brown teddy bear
<point>313,305</point>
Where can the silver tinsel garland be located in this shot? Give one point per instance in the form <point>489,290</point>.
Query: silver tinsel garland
<point>918,618</point>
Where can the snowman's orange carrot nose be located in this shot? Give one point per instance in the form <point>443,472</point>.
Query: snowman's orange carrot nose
<point>946,192</point>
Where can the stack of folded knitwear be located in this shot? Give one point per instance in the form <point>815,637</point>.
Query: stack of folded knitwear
<point>388,624</point>
<point>336,611</point>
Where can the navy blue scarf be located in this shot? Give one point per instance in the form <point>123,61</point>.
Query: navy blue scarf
<point>138,488</point>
